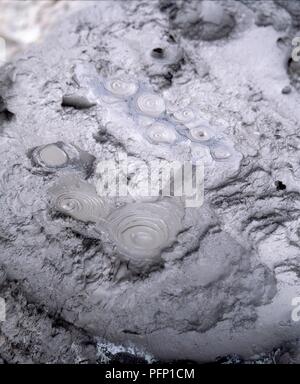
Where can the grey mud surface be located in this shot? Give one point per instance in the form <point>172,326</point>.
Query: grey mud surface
<point>225,285</point>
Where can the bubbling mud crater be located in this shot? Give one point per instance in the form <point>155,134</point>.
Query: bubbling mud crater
<point>150,104</point>
<point>161,133</point>
<point>120,87</point>
<point>77,199</point>
<point>52,157</point>
<point>141,231</point>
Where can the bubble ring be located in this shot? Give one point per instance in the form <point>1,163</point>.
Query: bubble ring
<point>184,115</point>
<point>151,104</point>
<point>120,87</point>
<point>78,200</point>
<point>161,134</point>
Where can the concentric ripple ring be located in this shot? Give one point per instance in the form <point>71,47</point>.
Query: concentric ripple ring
<point>161,133</point>
<point>120,87</point>
<point>141,231</point>
<point>77,199</point>
<point>151,104</point>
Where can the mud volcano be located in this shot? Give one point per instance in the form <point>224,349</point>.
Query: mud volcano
<point>200,81</point>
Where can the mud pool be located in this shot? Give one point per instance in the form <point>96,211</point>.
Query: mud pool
<point>201,81</point>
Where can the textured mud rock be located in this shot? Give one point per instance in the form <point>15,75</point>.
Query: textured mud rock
<point>290,353</point>
<point>293,70</point>
<point>2,275</point>
<point>270,14</point>
<point>123,358</point>
<point>204,20</point>
<point>225,285</point>
<point>31,335</point>
<point>293,8</point>
<point>286,90</point>
<point>25,23</point>
<point>77,101</point>
<point>5,114</point>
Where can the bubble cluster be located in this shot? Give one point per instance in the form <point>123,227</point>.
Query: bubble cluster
<point>169,125</point>
<point>77,199</point>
